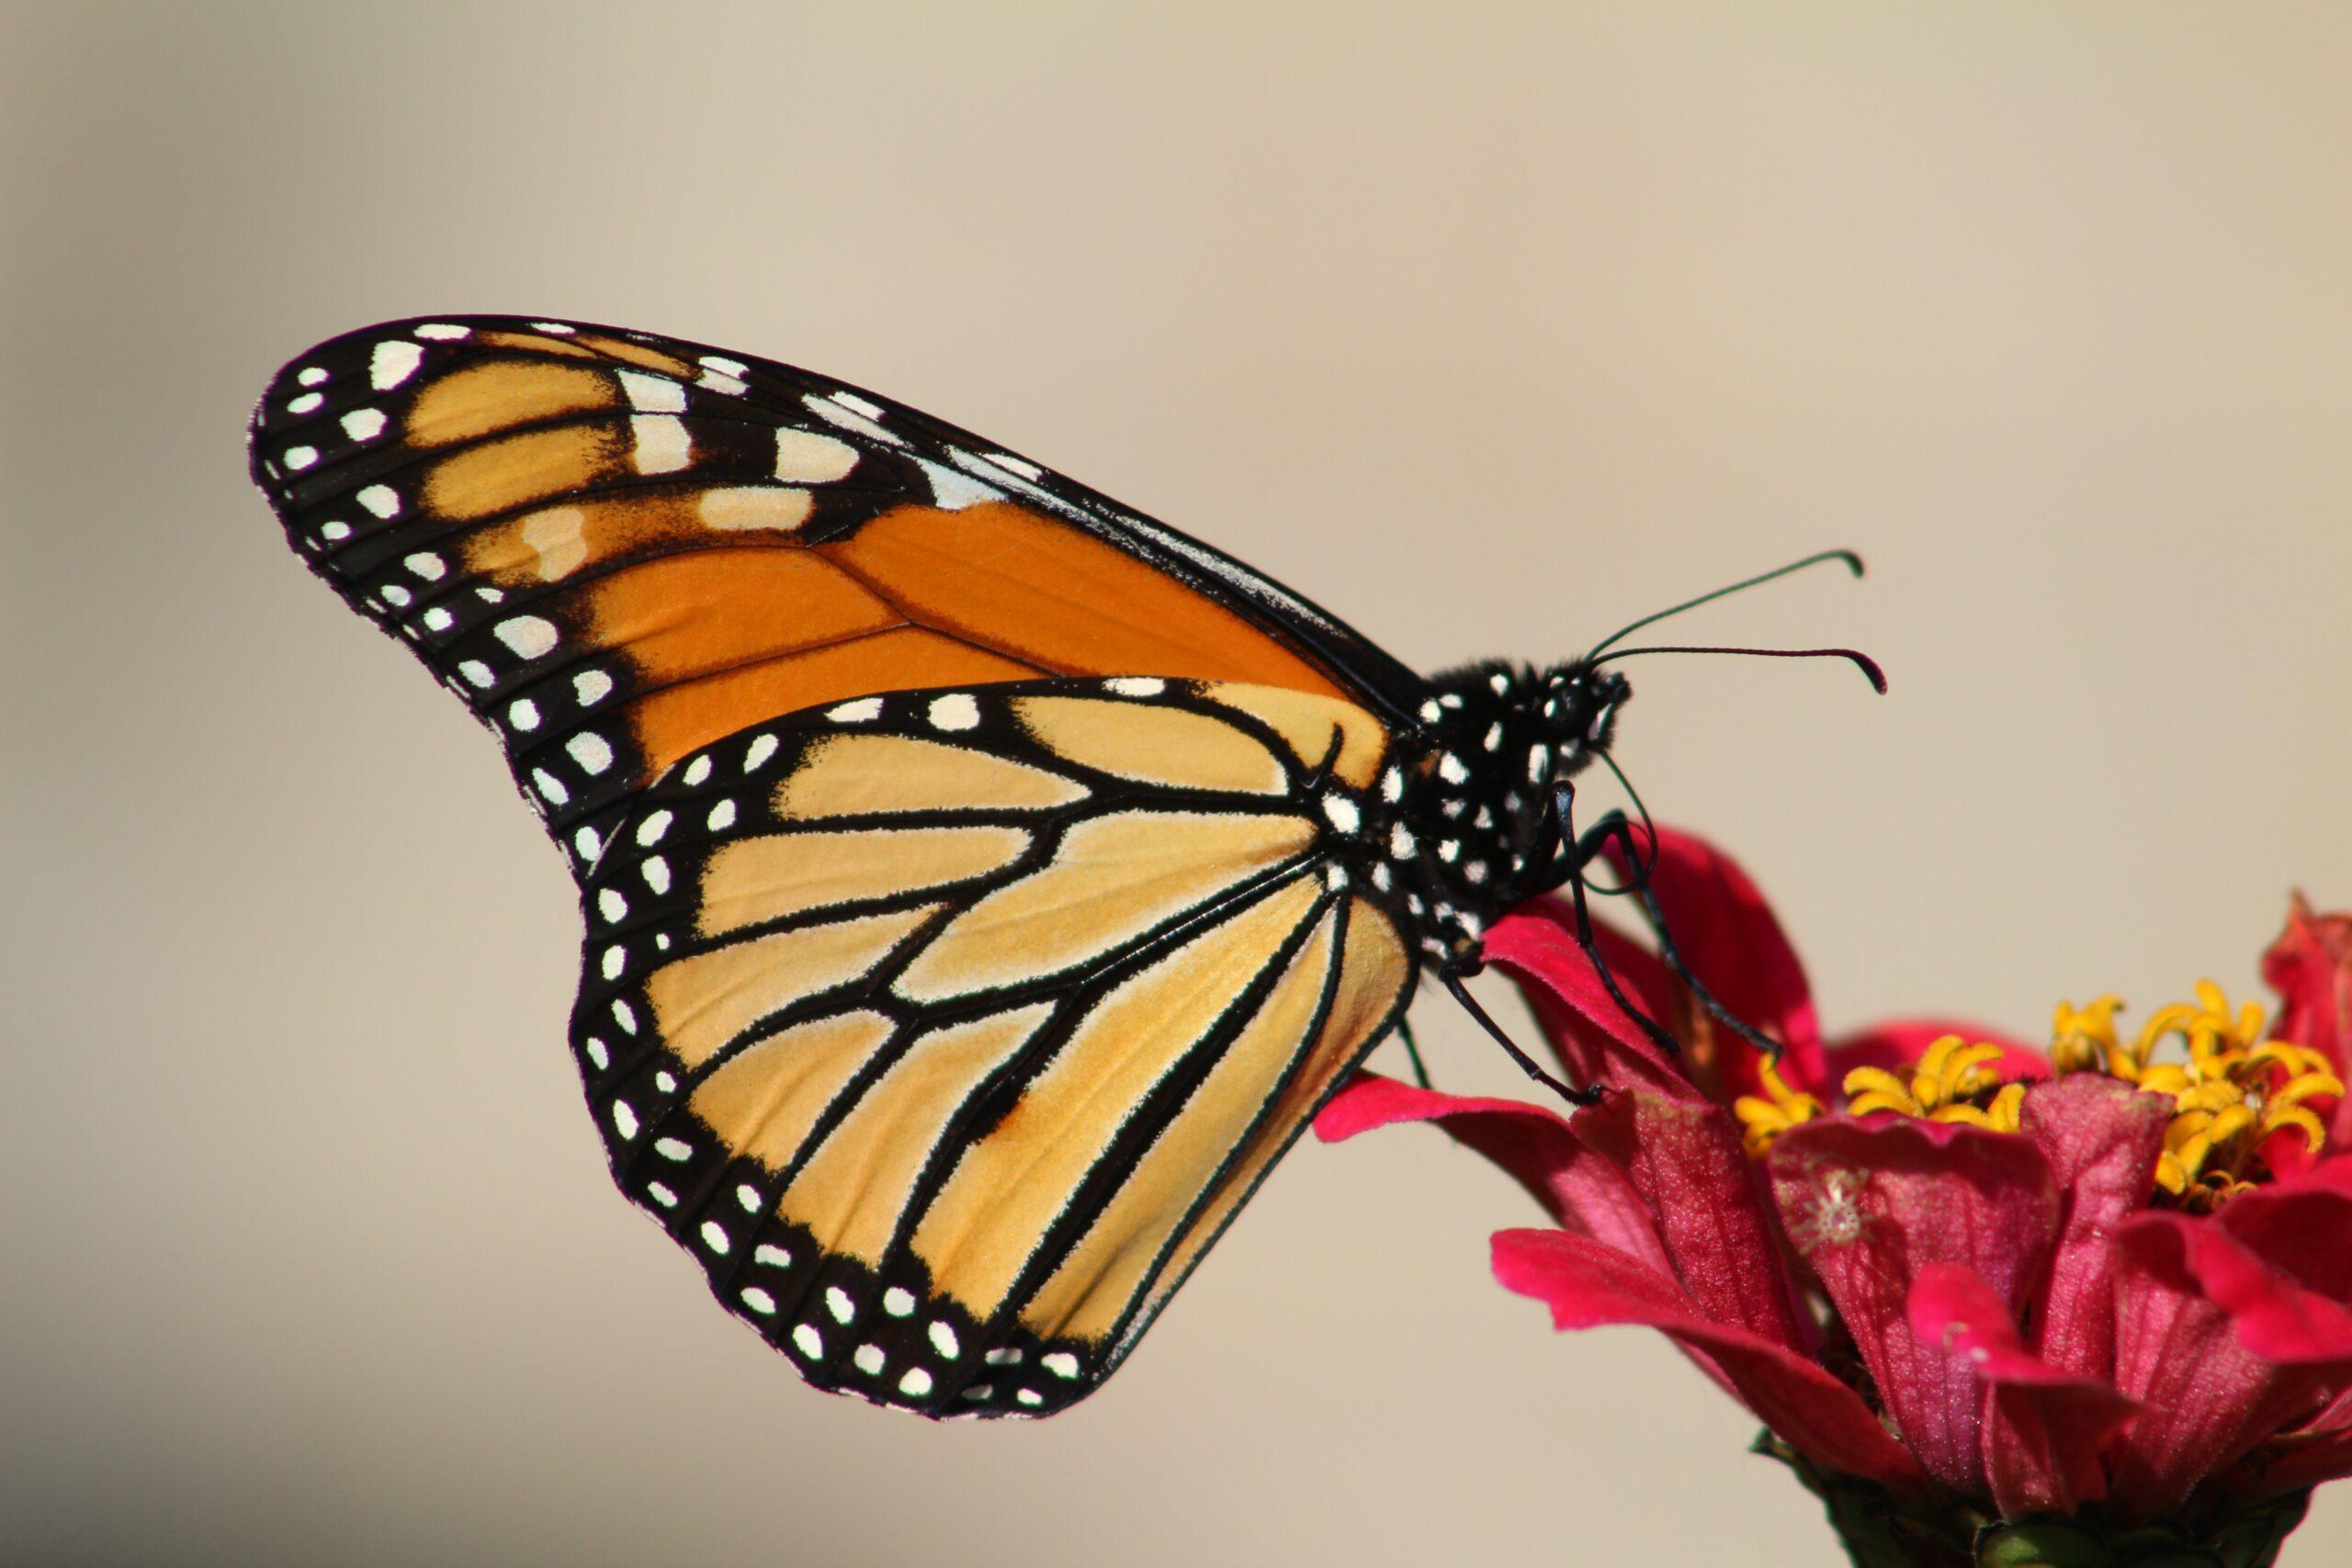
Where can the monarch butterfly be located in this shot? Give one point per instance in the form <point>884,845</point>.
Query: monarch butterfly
<point>984,884</point>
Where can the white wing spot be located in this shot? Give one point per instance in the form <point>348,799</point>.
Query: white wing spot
<point>1062,1363</point>
<point>1400,842</point>
<point>1137,685</point>
<point>586,843</point>
<point>837,1302</point>
<point>762,749</point>
<point>612,904</point>
<point>624,1119</point>
<point>1342,813</point>
<point>1450,769</point>
<point>652,394</point>
<point>835,414</point>
<point>364,424</point>
<point>426,565</point>
<point>955,711</point>
<point>861,711</point>
<point>443,331</point>
<point>722,817</point>
<point>381,500</point>
<point>649,831</point>
<point>524,714</point>
<point>591,686</point>
<point>656,871</point>
<point>661,1194</point>
<point>764,1254</point>
<point>1494,741</point>
<point>715,1236</point>
<point>1028,1396</point>
<point>662,446</point>
<point>593,752</point>
<point>393,362</point>
<point>1003,1355</point>
<point>615,961</point>
<point>624,1014</point>
<point>1022,465</point>
<point>916,1383</point>
<point>1392,787</point>
<point>698,770</point>
<point>942,1339</point>
<point>529,636</point>
<point>309,375</point>
<point>557,328</point>
<point>299,457</point>
<point>760,1301</point>
<point>331,532</point>
<point>598,1056</point>
<point>305,402</point>
<point>477,673</point>
<point>723,364</point>
<point>395,595</point>
<point>897,1302</point>
<point>953,491</point>
<point>749,1196</point>
<point>857,404</point>
<point>550,787</point>
<point>868,1358</point>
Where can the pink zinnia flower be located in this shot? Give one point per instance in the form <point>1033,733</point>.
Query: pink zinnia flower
<point>1992,1303</point>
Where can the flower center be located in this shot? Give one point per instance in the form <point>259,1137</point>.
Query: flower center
<point>2235,1091</point>
<point>2232,1094</point>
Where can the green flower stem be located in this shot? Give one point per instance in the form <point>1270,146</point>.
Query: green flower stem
<point>1879,1531</point>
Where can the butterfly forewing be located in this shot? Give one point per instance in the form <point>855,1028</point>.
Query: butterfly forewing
<point>948,1028</point>
<point>618,548</point>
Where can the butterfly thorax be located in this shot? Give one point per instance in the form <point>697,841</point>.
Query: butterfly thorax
<point>1477,829</point>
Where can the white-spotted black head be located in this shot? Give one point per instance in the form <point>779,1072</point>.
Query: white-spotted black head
<point>1480,814</point>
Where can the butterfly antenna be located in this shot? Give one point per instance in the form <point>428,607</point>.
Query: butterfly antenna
<point>1853,563</point>
<point>1862,661</point>
<point>1413,1054</point>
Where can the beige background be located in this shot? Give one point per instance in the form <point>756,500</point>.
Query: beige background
<point>1490,327</point>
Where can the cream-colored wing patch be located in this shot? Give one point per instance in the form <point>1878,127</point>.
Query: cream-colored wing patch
<point>701,1003</point>
<point>1375,969</point>
<point>855,1188</point>
<point>1309,724</point>
<point>1091,1291</point>
<point>855,775</point>
<point>754,880</point>
<point>1153,745</point>
<point>1007,1190</point>
<point>763,1100</point>
<point>1113,878</point>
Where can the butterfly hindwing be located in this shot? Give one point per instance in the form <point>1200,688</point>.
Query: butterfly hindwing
<point>619,548</point>
<point>948,1028</point>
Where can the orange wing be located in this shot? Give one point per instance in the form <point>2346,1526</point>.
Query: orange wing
<point>618,548</point>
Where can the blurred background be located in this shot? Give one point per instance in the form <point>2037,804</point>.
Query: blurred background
<point>1490,327</point>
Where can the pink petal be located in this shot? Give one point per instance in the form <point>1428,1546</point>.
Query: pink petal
<point>2221,1348</point>
<point>1576,1187</point>
<point>1687,1161</point>
<point>2101,1139</point>
<point>2044,1427</point>
<point>1869,1203</point>
<point>1587,1285</point>
<point>1596,1041</point>
<point>1733,943</point>
<point>2310,966</point>
<point>1895,1044</point>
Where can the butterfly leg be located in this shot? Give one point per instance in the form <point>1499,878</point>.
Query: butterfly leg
<point>1413,1052</point>
<point>1613,827</point>
<point>1453,977</point>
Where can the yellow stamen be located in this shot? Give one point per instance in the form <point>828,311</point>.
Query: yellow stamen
<point>2234,1090</point>
<point>1954,1081</point>
<point>1768,1115</point>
